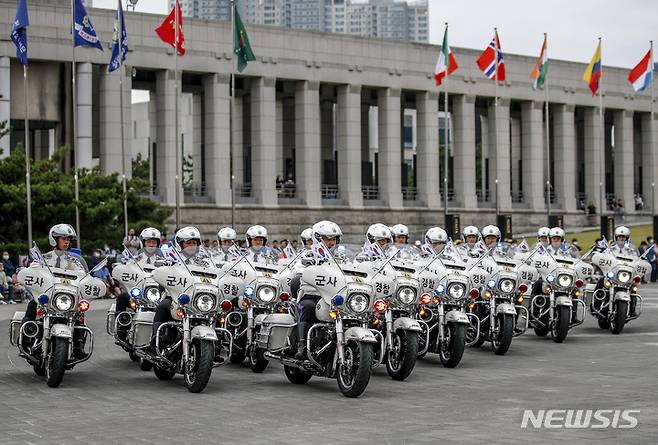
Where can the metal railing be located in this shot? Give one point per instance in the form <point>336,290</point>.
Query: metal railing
<point>409,193</point>
<point>451,195</point>
<point>370,192</point>
<point>242,190</point>
<point>517,196</point>
<point>483,197</point>
<point>196,190</point>
<point>553,197</point>
<point>287,191</point>
<point>329,191</point>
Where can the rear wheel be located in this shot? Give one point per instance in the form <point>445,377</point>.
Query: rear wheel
<point>503,339</point>
<point>56,363</point>
<point>354,372</point>
<point>452,348</point>
<point>619,320</point>
<point>199,366</point>
<point>561,324</point>
<point>296,375</point>
<point>401,358</point>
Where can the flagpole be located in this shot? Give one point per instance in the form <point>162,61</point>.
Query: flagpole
<point>548,142</point>
<point>28,185</point>
<point>178,151</point>
<point>603,204</point>
<point>231,114</point>
<point>445,138</point>
<point>119,43</point>
<point>653,142</point>
<point>76,179</point>
<point>496,117</point>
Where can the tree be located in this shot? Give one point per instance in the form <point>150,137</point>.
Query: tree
<point>101,205</point>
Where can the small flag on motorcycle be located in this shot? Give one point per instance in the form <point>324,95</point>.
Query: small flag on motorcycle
<point>427,250</point>
<point>319,250</point>
<point>233,250</point>
<point>523,246</point>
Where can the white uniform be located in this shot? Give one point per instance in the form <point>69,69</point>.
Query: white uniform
<point>65,260</point>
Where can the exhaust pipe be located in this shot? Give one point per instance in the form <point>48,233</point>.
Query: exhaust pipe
<point>30,329</point>
<point>234,319</point>
<point>124,319</point>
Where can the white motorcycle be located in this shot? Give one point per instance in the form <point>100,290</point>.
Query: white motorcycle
<point>49,342</point>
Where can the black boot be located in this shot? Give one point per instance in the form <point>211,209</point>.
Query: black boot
<point>632,307</point>
<point>302,331</point>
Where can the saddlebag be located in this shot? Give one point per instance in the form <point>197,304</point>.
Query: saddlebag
<point>275,331</point>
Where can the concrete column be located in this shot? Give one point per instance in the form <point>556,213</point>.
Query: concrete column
<point>463,112</point>
<point>533,155</point>
<point>564,159</point>
<point>83,137</point>
<point>624,172</point>
<point>5,103</point>
<point>165,175</point>
<point>515,155</point>
<point>427,105</point>
<point>238,139</point>
<point>649,161</point>
<point>348,144</point>
<point>593,157</point>
<point>390,163</point>
<point>308,156</point>
<point>327,132</point>
<point>263,119</point>
<point>367,178</point>
<point>499,159</point>
<point>279,157</point>
<point>484,135</point>
<point>110,122</point>
<point>216,121</point>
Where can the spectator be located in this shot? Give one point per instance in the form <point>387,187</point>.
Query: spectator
<point>652,256</point>
<point>215,244</point>
<point>279,184</point>
<point>642,248</point>
<point>10,270</point>
<point>275,247</point>
<point>19,292</point>
<point>206,243</point>
<point>580,205</point>
<point>131,242</point>
<point>103,273</point>
<point>4,287</point>
<point>295,244</point>
<point>574,242</point>
<point>639,202</point>
<point>591,209</point>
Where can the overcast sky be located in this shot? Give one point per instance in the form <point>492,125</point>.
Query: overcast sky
<point>572,25</point>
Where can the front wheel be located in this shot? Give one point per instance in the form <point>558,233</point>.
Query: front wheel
<point>199,366</point>
<point>561,324</point>
<point>619,320</point>
<point>257,359</point>
<point>56,362</point>
<point>401,357</point>
<point>503,339</point>
<point>452,348</point>
<point>354,372</point>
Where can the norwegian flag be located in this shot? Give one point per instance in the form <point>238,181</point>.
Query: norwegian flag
<point>427,250</point>
<point>320,250</point>
<point>487,60</point>
<point>288,252</point>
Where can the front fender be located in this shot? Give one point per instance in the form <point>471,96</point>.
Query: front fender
<point>505,308</point>
<point>622,296</point>
<point>203,333</point>
<point>61,330</point>
<point>358,333</point>
<point>457,317</point>
<point>563,301</point>
<point>406,324</point>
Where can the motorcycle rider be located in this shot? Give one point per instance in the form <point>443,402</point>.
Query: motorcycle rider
<point>470,236</point>
<point>400,234</point>
<point>435,239</point>
<point>379,238</point>
<point>622,243</point>
<point>307,237</point>
<point>329,233</point>
<point>257,244</point>
<point>61,237</point>
<point>491,235</point>
<point>543,237</point>
<point>226,238</point>
<point>557,245</point>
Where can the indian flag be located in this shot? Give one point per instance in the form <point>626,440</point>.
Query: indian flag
<point>540,70</point>
<point>446,63</point>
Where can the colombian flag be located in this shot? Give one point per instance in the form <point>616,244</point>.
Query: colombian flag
<point>592,74</point>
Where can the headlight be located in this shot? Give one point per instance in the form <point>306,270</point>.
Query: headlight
<point>63,302</point>
<point>456,290</point>
<point>406,295</point>
<point>266,294</point>
<point>153,294</point>
<point>506,285</point>
<point>623,276</point>
<point>565,280</point>
<point>358,303</point>
<point>204,302</point>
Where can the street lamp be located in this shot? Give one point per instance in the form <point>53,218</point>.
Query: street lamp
<point>133,3</point>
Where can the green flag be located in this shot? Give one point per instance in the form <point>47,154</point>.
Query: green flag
<point>241,46</point>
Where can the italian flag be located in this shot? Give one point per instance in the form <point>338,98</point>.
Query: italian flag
<point>540,70</point>
<point>446,63</point>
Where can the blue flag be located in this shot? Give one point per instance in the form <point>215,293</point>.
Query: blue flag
<point>119,44</point>
<point>19,31</point>
<point>84,32</point>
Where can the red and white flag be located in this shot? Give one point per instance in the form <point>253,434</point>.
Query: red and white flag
<point>491,61</point>
<point>446,64</point>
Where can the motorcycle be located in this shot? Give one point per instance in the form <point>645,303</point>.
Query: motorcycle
<point>560,305</point>
<point>128,327</point>
<point>616,301</point>
<point>49,342</point>
<point>338,346</point>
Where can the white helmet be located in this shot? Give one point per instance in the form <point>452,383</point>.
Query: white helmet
<point>378,231</point>
<point>470,231</point>
<point>256,232</point>
<point>326,229</point>
<point>543,231</point>
<point>226,233</point>
<point>400,230</point>
<point>306,235</point>
<point>60,230</point>
<point>557,231</point>
<point>150,233</point>
<point>623,230</point>
<point>436,235</point>
<point>186,234</point>
<point>491,230</point>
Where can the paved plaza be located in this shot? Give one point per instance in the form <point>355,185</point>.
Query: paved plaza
<point>109,400</point>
